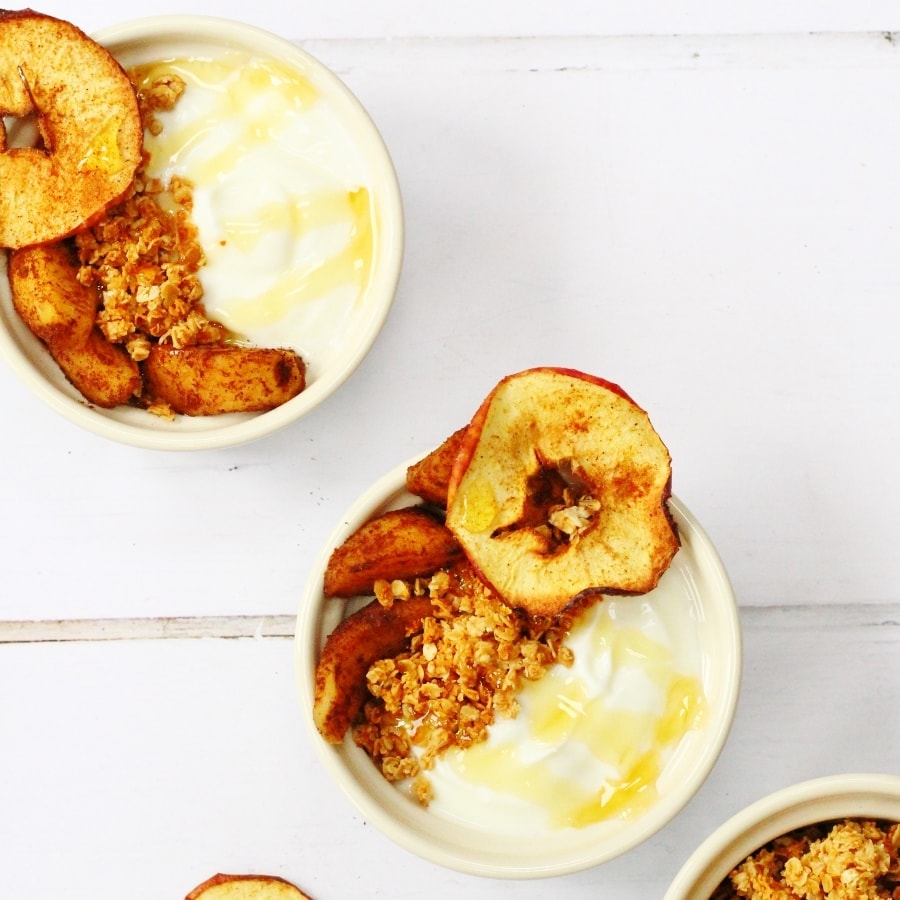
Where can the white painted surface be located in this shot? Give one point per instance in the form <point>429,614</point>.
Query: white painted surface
<point>464,18</point>
<point>153,763</point>
<point>701,204</point>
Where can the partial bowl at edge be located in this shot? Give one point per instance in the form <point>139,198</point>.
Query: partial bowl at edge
<point>833,797</point>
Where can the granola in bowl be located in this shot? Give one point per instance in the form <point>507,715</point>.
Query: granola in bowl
<point>464,670</point>
<point>829,838</point>
<point>847,859</point>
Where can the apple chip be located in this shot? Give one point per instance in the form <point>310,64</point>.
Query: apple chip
<point>87,117</point>
<point>561,490</point>
<point>246,887</point>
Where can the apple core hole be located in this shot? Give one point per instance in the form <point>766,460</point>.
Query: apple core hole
<point>20,132</point>
<point>556,507</point>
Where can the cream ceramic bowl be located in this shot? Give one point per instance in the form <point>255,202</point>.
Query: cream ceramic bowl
<point>697,571</point>
<point>819,800</point>
<point>333,345</point>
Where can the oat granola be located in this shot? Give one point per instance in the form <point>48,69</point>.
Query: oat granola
<point>463,669</point>
<point>144,255</point>
<point>839,860</point>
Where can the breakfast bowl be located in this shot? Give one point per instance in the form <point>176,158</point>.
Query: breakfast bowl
<point>820,804</point>
<point>517,807</point>
<point>297,209</point>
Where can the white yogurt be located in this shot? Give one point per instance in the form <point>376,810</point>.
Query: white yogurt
<point>589,741</point>
<point>280,199</point>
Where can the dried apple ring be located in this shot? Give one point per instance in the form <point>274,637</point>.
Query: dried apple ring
<point>87,116</point>
<point>560,490</point>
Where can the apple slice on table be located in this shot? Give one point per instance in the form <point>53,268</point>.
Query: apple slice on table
<point>246,887</point>
<point>560,490</point>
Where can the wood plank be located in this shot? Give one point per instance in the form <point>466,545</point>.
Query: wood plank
<point>25,631</point>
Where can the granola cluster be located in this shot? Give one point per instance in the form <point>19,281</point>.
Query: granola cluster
<point>841,860</point>
<point>463,669</point>
<point>144,255</point>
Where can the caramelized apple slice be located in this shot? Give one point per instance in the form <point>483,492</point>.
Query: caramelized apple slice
<point>372,633</point>
<point>104,373</point>
<point>401,543</point>
<point>429,478</point>
<point>47,295</point>
<point>208,380</point>
<point>60,311</point>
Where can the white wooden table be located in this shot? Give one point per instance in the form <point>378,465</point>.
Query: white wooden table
<point>702,204</point>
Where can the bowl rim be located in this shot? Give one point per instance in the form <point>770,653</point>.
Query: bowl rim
<point>233,429</point>
<point>372,799</point>
<point>843,795</point>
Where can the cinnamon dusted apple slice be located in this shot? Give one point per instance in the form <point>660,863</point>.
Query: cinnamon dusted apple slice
<point>246,887</point>
<point>400,543</point>
<point>429,478</point>
<point>561,490</point>
<point>372,633</point>
<point>60,311</point>
<point>209,379</point>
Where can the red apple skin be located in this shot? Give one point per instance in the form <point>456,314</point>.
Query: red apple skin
<point>661,513</point>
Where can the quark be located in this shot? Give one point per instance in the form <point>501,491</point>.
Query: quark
<point>280,198</point>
